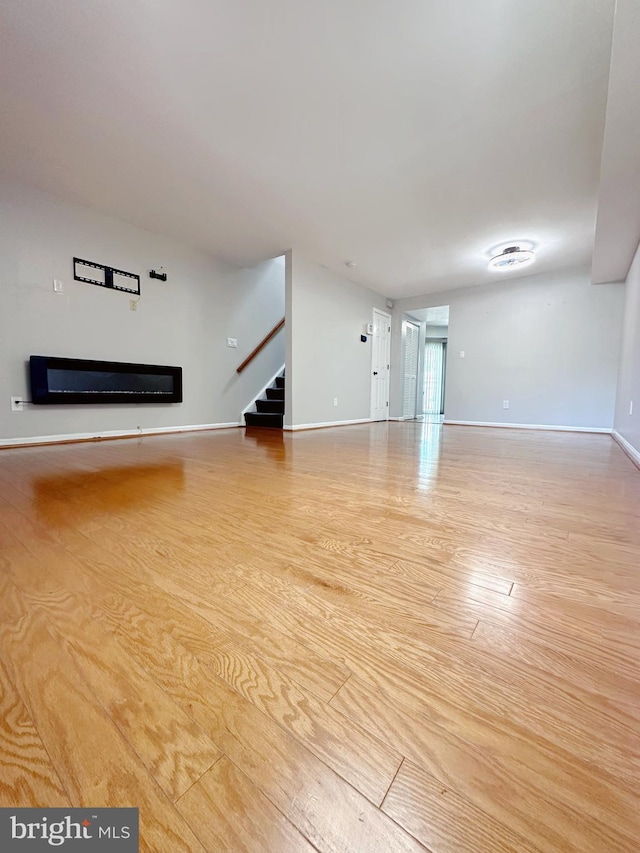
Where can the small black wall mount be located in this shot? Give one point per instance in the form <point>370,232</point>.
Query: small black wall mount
<point>105,276</point>
<point>161,276</point>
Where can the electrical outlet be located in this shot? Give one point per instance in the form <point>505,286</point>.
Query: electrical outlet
<point>232,342</point>
<point>335,401</point>
<point>505,404</point>
<point>17,404</point>
<point>461,353</point>
<point>133,305</point>
<point>58,286</point>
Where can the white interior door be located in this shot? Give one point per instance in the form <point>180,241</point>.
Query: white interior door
<point>380,355</point>
<point>411,355</point>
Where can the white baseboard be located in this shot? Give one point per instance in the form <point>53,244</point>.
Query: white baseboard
<point>629,449</point>
<point>106,435</point>
<point>294,427</point>
<point>553,428</point>
<point>397,419</point>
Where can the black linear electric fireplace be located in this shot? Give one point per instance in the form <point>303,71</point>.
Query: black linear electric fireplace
<point>80,380</point>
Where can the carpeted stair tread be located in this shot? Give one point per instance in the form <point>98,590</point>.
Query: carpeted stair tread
<point>272,420</point>
<point>270,412</point>
<point>276,406</point>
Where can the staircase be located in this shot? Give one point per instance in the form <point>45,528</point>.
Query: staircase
<point>270,411</point>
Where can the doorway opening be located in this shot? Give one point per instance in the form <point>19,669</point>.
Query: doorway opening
<point>425,333</point>
<point>435,361</point>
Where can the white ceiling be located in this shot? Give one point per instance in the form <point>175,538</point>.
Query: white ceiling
<point>407,135</point>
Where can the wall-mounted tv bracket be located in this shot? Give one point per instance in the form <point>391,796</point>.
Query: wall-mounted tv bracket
<point>105,276</point>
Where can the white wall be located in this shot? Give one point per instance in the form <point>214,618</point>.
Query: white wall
<point>325,357</point>
<point>184,321</point>
<point>628,426</point>
<point>436,331</point>
<point>547,343</point>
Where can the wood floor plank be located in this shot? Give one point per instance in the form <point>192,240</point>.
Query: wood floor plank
<point>364,761</point>
<point>327,810</point>
<point>172,747</point>
<point>425,620</point>
<point>27,775</point>
<point>436,570</point>
<point>94,573</point>
<point>369,591</point>
<point>411,688</point>
<point>443,820</point>
<point>315,607</point>
<point>317,674</point>
<point>599,684</point>
<point>543,796</point>
<point>574,629</point>
<point>422,669</point>
<point>92,570</point>
<point>95,764</point>
<point>598,616</point>
<point>235,817</point>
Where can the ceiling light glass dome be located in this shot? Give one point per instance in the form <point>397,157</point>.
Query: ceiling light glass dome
<point>511,257</point>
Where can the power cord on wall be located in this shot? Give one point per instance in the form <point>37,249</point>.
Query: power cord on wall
<point>153,273</point>
<point>133,302</point>
<point>18,404</point>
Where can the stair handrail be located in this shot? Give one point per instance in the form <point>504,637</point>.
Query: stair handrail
<point>262,344</point>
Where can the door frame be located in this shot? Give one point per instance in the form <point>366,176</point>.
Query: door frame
<point>387,317</point>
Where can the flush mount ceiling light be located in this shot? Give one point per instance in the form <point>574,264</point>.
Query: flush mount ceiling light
<point>511,256</point>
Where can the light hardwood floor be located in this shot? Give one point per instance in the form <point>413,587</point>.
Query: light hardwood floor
<point>377,638</point>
